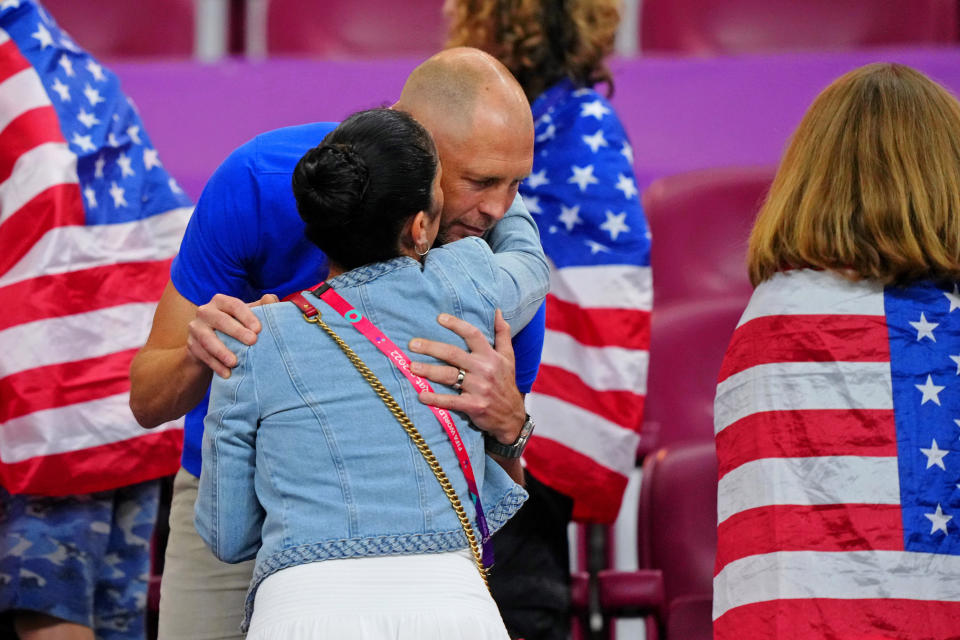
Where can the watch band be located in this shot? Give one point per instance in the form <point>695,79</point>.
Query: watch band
<point>514,450</point>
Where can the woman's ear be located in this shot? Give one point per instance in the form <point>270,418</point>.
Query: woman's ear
<point>415,233</point>
<point>418,233</point>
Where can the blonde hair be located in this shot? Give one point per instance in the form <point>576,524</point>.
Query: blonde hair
<point>870,184</point>
<point>540,41</point>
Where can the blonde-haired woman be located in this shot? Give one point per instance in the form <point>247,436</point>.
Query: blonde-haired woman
<point>837,406</point>
<point>584,194</point>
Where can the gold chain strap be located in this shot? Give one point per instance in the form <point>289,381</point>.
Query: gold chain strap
<point>415,436</point>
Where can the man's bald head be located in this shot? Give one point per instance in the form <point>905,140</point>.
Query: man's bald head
<point>450,89</point>
<point>480,120</point>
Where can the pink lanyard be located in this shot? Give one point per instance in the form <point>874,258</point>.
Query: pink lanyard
<point>395,355</point>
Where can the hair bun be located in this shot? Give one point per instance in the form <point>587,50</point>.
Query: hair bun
<point>333,179</point>
<point>360,186</point>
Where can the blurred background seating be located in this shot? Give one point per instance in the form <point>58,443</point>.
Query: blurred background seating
<point>352,28</point>
<point>210,29</point>
<point>718,27</point>
<point>676,542</point>
<point>700,221</point>
<point>146,28</point>
<point>687,343</point>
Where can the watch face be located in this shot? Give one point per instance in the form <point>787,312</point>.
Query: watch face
<point>512,450</point>
<point>527,427</point>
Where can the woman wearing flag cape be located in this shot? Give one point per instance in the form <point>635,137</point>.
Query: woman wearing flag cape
<point>839,397</point>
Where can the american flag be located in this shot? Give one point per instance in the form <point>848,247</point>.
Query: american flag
<point>837,417</point>
<point>588,397</point>
<point>89,221</point>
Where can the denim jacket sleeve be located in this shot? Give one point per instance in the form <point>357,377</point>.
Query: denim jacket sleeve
<point>228,515</point>
<point>521,273</point>
<point>500,495</point>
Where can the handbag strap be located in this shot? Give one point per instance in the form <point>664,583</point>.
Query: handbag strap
<point>313,316</point>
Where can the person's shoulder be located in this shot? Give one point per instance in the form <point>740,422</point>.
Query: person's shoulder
<point>470,259</point>
<point>278,151</point>
<point>469,248</point>
<point>278,317</point>
<point>572,103</point>
<point>567,97</point>
<point>278,313</point>
<point>301,135</point>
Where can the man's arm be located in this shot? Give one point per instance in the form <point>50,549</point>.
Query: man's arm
<point>171,372</point>
<point>521,271</point>
<point>489,394</point>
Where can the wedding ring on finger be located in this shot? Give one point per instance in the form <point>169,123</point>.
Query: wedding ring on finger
<point>458,385</point>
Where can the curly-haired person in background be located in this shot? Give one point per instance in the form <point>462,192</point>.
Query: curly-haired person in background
<point>583,195</point>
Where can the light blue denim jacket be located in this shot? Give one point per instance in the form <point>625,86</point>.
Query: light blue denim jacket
<point>301,459</point>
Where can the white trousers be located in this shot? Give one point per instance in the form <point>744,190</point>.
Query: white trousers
<point>422,597</point>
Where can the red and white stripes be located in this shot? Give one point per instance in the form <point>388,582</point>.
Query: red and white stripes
<point>809,507</point>
<point>588,397</point>
<point>77,302</point>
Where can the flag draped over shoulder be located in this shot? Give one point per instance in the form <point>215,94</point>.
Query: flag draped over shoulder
<point>89,221</point>
<point>836,419</point>
<point>588,396</point>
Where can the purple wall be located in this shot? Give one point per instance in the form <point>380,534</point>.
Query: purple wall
<point>681,113</point>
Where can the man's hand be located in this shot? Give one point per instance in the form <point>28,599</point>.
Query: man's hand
<point>489,394</point>
<point>233,317</point>
<point>171,372</point>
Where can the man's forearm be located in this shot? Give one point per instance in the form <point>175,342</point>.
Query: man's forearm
<point>165,384</point>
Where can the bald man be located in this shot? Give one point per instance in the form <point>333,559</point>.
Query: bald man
<point>245,245</point>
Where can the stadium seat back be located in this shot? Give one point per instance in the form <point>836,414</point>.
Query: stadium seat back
<point>701,222</point>
<point>714,27</point>
<point>688,341</point>
<point>355,28</point>
<point>125,29</point>
<point>677,533</point>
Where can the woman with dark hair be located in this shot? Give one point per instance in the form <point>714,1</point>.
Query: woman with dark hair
<point>837,402</point>
<point>363,527</point>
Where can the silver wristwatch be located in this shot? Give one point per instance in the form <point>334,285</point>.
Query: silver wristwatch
<point>514,450</point>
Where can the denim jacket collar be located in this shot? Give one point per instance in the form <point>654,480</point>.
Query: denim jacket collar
<point>369,272</point>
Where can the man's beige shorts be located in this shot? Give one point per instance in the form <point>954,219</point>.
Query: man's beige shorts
<point>201,598</point>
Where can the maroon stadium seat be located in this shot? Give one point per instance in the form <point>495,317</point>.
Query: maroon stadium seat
<point>688,341</point>
<point>125,28</point>
<point>700,223</point>
<point>677,543</point>
<point>712,27</point>
<point>355,28</point>
<point>677,532</point>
